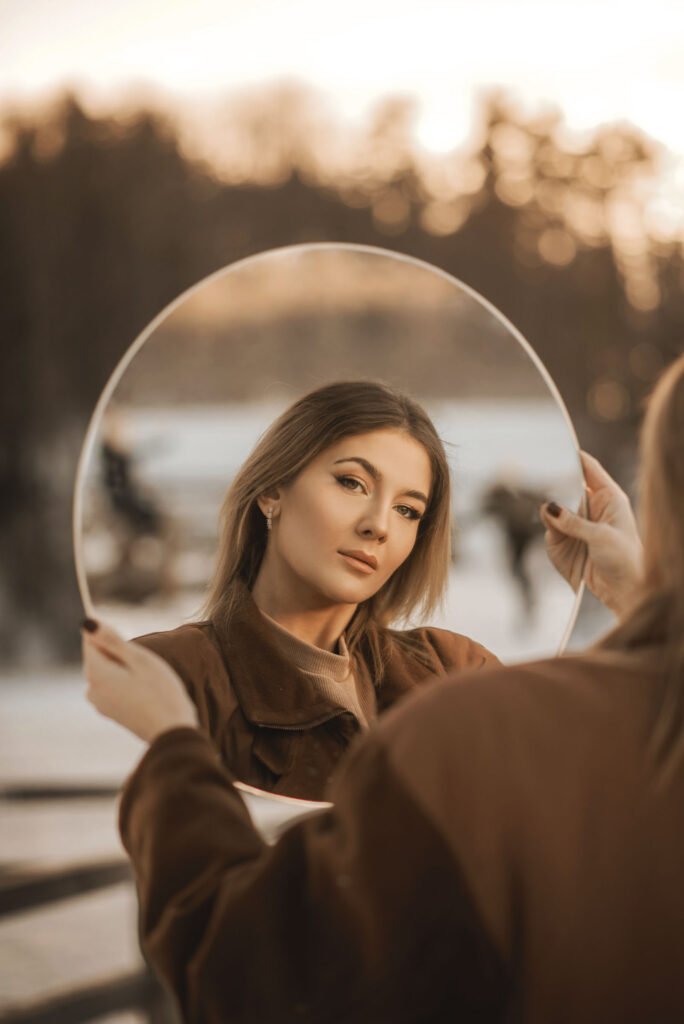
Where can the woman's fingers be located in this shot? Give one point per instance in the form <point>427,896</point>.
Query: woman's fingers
<point>98,665</point>
<point>102,673</point>
<point>107,641</point>
<point>595,475</point>
<point>133,686</point>
<point>560,520</point>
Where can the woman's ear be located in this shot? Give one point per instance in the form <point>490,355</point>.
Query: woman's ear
<point>269,501</point>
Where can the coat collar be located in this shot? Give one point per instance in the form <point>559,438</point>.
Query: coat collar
<point>273,693</point>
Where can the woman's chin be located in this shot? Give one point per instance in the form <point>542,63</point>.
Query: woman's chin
<point>351,592</point>
<point>345,591</point>
<point>337,588</point>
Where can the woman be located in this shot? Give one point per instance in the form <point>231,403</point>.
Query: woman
<point>337,524</point>
<point>505,846</point>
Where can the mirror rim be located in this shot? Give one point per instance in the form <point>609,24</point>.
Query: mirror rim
<point>133,349</point>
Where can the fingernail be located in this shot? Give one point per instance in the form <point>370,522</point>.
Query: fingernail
<point>90,625</point>
<point>553,509</point>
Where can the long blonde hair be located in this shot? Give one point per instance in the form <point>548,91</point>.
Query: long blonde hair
<point>309,426</point>
<point>658,616</point>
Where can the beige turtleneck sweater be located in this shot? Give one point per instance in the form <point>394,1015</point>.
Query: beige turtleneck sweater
<point>332,674</point>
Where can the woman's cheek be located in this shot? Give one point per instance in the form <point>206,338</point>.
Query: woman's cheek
<point>407,546</point>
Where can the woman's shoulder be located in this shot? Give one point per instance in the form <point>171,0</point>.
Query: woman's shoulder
<point>452,651</point>
<point>182,646</point>
<point>194,652</point>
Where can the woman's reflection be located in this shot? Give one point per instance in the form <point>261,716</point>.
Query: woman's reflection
<point>336,525</point>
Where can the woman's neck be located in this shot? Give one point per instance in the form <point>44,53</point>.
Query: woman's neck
<point>294,607</point>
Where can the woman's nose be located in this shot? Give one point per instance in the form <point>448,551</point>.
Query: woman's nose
<point>374,527</point>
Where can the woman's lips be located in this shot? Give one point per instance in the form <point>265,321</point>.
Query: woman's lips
<point>358,562</point>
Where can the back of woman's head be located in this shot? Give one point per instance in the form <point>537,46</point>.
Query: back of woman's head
<point>662,488</point>
<point>658,616</point>
<point>312,424</point>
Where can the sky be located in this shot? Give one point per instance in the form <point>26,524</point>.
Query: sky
<point>598,60</point>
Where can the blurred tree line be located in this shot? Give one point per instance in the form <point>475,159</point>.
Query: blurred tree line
<point>103,221</point>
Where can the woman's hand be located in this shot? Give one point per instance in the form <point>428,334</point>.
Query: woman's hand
<point>604,550</point>
<point>132,685</point>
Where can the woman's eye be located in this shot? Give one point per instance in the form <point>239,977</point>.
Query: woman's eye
<point>350,483</point>
<point>408,512</point>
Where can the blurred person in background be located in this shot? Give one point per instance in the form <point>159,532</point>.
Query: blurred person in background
<point>516,510</point>
<point>143,559</point>
<point>505,846</point>
<point>337,524</point>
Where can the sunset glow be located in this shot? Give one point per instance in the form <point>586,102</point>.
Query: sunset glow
<point>596,62</point>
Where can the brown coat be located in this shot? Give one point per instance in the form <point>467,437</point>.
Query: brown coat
<point>273,729</point>
<point>501,848</point>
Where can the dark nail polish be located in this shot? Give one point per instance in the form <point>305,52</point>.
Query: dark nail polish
<point>553,509</point>
<point>90,625</point>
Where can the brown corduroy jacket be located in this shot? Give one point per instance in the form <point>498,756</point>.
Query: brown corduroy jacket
<point>502,847</point>
<point>274,730</point>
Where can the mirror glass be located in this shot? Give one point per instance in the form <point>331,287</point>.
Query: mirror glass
<point>193,394</point>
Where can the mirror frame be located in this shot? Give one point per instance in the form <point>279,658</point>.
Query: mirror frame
<point>261,805</point>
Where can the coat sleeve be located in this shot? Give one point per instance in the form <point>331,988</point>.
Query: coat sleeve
<point>357,914</point>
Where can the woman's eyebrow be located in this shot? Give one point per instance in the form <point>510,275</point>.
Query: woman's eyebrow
<point>376,474</point>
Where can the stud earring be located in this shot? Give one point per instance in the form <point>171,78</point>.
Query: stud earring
<point>269,519</point>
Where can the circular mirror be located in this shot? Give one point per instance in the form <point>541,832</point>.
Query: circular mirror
<point>198,388</point>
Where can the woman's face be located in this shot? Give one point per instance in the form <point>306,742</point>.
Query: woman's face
<point>350,519</point>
